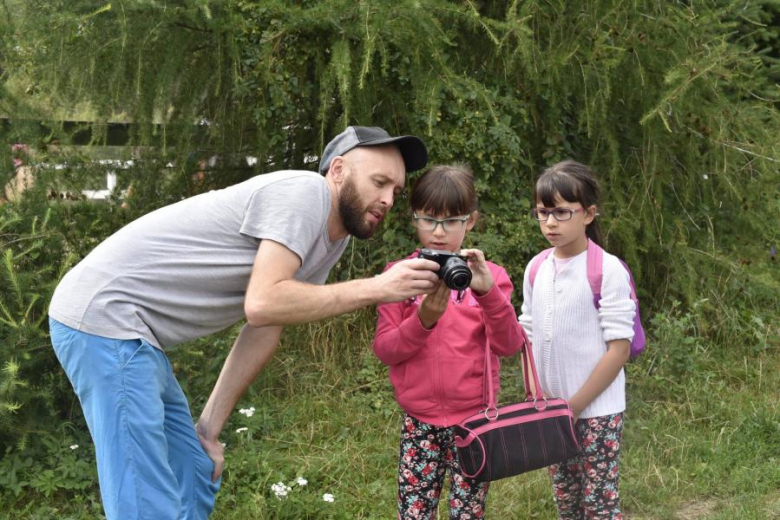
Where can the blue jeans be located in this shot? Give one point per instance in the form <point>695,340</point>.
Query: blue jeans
<point>150,462</point>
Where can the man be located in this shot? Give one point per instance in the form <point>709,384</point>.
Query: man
<point>260,249</point>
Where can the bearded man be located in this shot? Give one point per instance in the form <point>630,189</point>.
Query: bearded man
<point>259,250</point>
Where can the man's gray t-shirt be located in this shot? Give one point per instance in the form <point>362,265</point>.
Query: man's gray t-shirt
<point>181,272</point>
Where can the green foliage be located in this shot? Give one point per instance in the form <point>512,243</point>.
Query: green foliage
<point>507,87</point>
<point>28,272</point>
<point>61,459</point>
<point>673,103</point>
<point>757,29</point>
<point>682,344</point>
<point>706,437</point>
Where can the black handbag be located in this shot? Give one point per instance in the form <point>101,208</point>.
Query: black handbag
<point>500,442</point>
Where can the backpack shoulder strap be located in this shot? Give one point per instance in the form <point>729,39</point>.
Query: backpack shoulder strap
<point>536,263</point>
<point>631,281</point>
<point>595,270</point>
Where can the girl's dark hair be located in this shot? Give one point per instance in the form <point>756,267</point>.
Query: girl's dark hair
<point>445,190</point>
<point>573,182</point>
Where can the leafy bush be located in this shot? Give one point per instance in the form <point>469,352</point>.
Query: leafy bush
<point>662,98</point>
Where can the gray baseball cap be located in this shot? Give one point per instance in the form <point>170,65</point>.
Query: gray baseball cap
<point>412,148</point>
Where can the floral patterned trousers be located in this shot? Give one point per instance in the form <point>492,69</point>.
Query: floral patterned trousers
<point>427,451</point>
<point>586,486</point>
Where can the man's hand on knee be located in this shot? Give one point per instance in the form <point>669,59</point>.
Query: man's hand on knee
<point>214,450</point>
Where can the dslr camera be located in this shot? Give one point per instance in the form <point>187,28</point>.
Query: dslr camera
<point>453,268</point>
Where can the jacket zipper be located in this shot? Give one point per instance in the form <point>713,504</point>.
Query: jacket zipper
<point>437,370</point>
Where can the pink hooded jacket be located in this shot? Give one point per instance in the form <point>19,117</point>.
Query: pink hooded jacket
<point>438,374</point>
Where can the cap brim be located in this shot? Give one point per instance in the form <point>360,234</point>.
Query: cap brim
<point>412,149</point>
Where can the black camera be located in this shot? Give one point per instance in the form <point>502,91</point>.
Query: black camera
<point>453,268</point>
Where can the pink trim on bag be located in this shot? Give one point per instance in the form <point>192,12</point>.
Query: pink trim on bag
<point>462,442</point>
<point>476,432</point>
<point>574,436</point>
<point>459,443</point>
<point>517,407</point>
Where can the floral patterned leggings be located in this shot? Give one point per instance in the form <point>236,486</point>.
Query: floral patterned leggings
<point>426,452</point>
<point>586,486</point>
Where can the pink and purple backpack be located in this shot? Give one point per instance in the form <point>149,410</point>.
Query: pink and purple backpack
<point>595,269</point>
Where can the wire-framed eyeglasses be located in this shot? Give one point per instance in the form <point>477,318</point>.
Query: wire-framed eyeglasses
<point>559,214</point>
<point>448,224</point>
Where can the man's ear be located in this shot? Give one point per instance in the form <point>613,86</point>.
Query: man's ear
<point>471,222</point>
<point>590,214</point>
<point>337,169</point>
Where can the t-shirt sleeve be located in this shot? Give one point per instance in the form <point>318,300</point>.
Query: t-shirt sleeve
<point>291,212</point>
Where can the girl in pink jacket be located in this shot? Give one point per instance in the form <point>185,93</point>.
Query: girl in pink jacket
<point>435,348</point>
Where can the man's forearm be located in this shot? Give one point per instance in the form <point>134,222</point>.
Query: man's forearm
<point>253,348</point>
<point>291,301</point>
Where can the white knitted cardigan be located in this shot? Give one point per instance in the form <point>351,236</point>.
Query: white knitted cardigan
<point>570,335</point>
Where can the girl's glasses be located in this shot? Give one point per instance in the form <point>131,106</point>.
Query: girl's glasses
<point>559,214</point>
<point>448,224</point>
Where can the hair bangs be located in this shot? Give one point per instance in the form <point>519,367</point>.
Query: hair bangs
<point>445,190</point>
<point>554,184</point>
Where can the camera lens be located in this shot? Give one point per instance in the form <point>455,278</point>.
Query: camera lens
<point>456,274</point>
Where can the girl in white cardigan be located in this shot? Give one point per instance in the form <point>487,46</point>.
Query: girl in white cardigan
<point>579,349</point>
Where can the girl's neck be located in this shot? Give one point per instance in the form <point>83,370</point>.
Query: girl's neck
<point>573,249</point>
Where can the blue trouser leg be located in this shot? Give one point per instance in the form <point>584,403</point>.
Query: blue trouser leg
<point>150,462</point>
<point>189,462</point>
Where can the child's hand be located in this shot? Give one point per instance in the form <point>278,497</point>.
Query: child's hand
<point>433,306</point>
<point>481,278</point>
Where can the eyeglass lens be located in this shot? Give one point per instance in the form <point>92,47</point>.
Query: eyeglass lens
<point>560,214</point>
<point>429,224</point>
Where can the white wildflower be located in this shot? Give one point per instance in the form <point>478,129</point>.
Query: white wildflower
<point>327,497</point>
<point>74,446</point>
<point>705,176</point>
<point>301,481</point>
<point>280,489</point>
<point>249,412</point>
<point>242,429</point>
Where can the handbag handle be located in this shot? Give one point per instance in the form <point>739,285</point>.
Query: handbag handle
<point>529,368</point>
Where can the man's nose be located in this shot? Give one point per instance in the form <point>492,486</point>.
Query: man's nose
<point>387,198</point>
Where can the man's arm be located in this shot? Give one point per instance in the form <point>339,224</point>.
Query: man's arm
<point>274,297</point>
<point>250,353</point>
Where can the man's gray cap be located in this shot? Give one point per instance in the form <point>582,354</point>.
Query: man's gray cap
<point>412,148</point>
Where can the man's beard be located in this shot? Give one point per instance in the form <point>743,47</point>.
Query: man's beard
<point>351,211</point>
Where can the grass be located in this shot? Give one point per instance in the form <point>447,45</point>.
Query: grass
<point>699,443</point>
